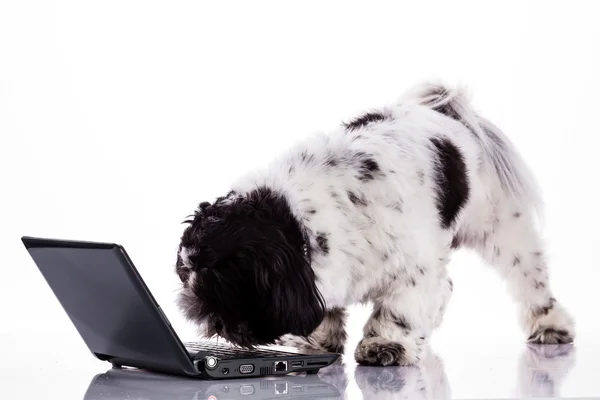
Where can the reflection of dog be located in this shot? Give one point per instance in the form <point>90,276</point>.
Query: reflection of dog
<point>426,381</point>
<point>543,368</point>
<point>371,211</point>
<point>541,371</point>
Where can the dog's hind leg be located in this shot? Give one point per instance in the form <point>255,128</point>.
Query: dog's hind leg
<point>329,336</point>
<point>512,245</point>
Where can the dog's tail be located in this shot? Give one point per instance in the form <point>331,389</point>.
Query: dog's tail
<point>500,158</point>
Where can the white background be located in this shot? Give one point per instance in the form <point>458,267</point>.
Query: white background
<point>118,117</point>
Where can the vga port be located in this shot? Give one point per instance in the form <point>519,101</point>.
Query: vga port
<point>246,369</point>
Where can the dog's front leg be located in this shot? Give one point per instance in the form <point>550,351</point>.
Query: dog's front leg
<point>398,326</point>
<point>330,336</point>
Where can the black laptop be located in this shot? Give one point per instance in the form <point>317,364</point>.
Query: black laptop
<point>121,322</point>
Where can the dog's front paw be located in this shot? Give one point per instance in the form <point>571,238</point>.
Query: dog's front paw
<point>377,351</point>
<point>550,335</point>
<point>301,344</point>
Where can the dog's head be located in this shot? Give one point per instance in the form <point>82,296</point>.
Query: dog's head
<point>245,272</point>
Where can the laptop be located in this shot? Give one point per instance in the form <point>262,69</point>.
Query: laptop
<point>120,321</point>
<point>134,384</point>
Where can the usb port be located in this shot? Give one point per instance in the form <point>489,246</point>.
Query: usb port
<point>297,364</point>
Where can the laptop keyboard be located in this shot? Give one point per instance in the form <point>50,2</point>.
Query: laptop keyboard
<point>224,351</point>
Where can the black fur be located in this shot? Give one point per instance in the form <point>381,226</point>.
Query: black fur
<point>356,200</point>
<point>539,311</point>
<point>323,243</point>
<point>368,168</point>
<point>447,109</point>
<point>452,183</point>
<point>455,242</point>
<point>402,323</point>
<point>539,285</point>
<point>331,161</point>
<point>365,120</point>
<point>253,281</point>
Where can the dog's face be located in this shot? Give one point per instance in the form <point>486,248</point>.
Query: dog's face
<point>244,270</point>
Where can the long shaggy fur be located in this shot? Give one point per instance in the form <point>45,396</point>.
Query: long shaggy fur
<point>370,212</point>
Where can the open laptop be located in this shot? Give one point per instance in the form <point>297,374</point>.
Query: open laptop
<point>121,322</point>
<point>117,384</point>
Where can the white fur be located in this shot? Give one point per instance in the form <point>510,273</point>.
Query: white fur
<point>498,220</point>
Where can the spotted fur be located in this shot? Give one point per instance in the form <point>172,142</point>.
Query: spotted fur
<point>370,211</point>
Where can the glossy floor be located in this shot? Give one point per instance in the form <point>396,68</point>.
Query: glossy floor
<point>61,367</point>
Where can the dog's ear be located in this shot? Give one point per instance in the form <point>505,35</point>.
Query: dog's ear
<point>297,304</point>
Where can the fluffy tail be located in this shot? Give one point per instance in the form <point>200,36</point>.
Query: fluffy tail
<point>500,158</point>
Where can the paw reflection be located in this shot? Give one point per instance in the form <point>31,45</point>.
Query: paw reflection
<point>426,381</point>
<point>543,368</point>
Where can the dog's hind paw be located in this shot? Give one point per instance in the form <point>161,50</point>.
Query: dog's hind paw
<point>550,335</point>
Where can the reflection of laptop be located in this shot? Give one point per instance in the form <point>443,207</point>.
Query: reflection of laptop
<point>121,322</point>
<point>123,384</point>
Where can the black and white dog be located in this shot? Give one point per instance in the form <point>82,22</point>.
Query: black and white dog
<point>369,212</point>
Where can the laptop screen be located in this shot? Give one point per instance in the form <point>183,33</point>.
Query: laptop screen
<point>108,303</point>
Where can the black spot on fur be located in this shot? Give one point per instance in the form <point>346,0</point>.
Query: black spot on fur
<point>397,205</point>
<point>376,314</point>
<point>365,120</point>
<point>455,242</point>
<point>421,270</point>
<point>421,176</point>
<point>385,257</point>
<point>516,261</point>
<point>331,161</point>
<point>307,158</point>
<point>545,309</point>
<point>412,282</point>
<point>368,168</point>
<point>402,322</point>
<point>370,333</point>
<point>452,191</point>
<point>539,285</point>
<point>537,253</point>
<point>440,92</point>
<point>356,200</point>
<point>323,243</point>
<point>517,214</point>
<point>311,211</point>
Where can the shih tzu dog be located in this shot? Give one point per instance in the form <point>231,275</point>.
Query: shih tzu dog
<point>369,212</point>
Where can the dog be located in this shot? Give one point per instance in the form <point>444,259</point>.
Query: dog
<point>370,212</point>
